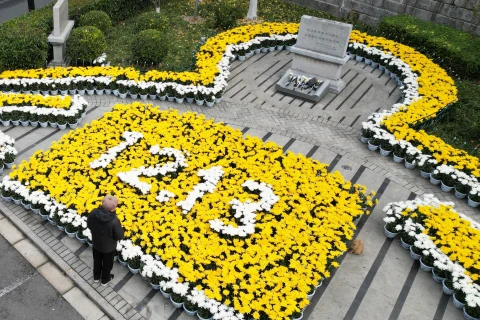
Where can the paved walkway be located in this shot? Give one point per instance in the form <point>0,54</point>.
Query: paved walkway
<point>383,283</point>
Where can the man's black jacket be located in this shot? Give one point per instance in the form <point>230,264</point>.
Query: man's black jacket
<point>106,229</point>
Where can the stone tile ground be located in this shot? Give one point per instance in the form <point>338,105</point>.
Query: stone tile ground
<point>383,283</point>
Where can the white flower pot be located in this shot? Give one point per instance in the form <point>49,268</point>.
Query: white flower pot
<point>122,263</point>
<point>218,100</point>
<point>45,217</point>
<point>69,234</point>
<point>472,203</point>
<point>288,48</point>
<point>144,96</point>
<point>310,296</point>
<point>63,92</point>
<point>179,100</point>
<point>81,91</point>
<point>52,222</point>
<point>24,123</point>
<point>200,317</point>
<point>99,92</point>
<point>446,289</point>
<point>61,228</point>
<point>62,126</point>
<point>45,92</point>
<point>389,234</point>
<point>405,245</point>
<point>108,91</point>
<point>364,139</point>
<point>36,211</point>
<point>381,67</point>
<point>53,124</point>
<point>171,99</point>
<point>16,122</point>
<point>435,277</point>
<point>372,147</point>
<point>54,92</point>
<point>164,294</point>
<point>177,305</point>
<point>90,92</point>
<point>424,174</point>
<point>35,92</point>
<point>368,61</point>
<point>190,100</point>
<point>84,240</point>
<point>301,316</point>
<point>387,72</point>
<point>155,286</point>
<point>467,316</point>
<point>8,165</point>
<point>424,267</point>
<point>241,58</point>
<point>152,96</point>
<point>457,303</point>
<point>359,58</point>
<point>133,95</point>
<point>374,65</point>
<point>264,50</point>
<point>115,92</point>
<point>16,201</point>
<point>122,95</point>
<point>397,159</point>
<point>7,199</point>
<point>414,255</point>
<point>5,123</point>
<point>72,92</point>
<point>385,153</point>
<point>132,270</point>
<point>446,188</point>
<point>409,165</point>
<point>26,206</point>
<point>162,98</point>
<point>190,313</point>
<point>210,103</point>
<point>73,125</point>
<point>271,49</point>
<point>34,123</point>
<point>460,195</point>
<point>199,102</point>
<point>434,181</point>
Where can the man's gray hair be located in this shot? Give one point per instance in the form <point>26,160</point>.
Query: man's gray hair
<point>110,203</point>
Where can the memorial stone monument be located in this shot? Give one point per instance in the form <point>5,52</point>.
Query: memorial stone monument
<point>320,53</point>
<point>61,30</point>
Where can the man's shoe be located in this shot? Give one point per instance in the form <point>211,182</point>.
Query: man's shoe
<point>106,283</point>
<point>96,280</point>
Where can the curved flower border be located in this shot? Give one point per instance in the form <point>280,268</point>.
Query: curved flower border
<point>400,213</point>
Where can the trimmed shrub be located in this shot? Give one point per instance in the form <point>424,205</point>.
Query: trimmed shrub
<point>120,10</point>
<point>456,51</point>
<point>149,46</point>
<point>22,50</point>
<point>96,18</point>
<point>86,43</point>
<point>151,20</point>
<point>226,13</point>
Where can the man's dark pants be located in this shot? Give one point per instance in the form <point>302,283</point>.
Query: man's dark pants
<point>102,265</point>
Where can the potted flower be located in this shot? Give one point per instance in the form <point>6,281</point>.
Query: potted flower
<point>374,143</point>
<point>199,100</point>
<point>33,119</point>
<point>53,89</point>
<point>166,291</point>
<point>439,274</point>
<point>134,91</point>
<point>407,240</point>
<point>190,95</point>
<point>459,298</point>
<point>177,300</point>
<point>390,227</point>
<point>415,253</point>
<point>70,230</point>
<point>26,204</point>
<point>473,197</point>
<point>35,206</point>
<point>80,236</point>
<point>170,92</point>
<point>134,264</point>
<point>122,91</point>
<point>471,313</point>
<point>241,52</point>
<point>61,121</point>
<point>447,285</point>
<point>426,262</point>
<point>385,147</point>
<point>5,118</point>
<point>99,87</point>
<point>219,96</point>
<point>15,117</point>
<point>143,92</point>
<point>52,120</point>
<point>311,293</point>
<point>24,118</point>
<point>411,157</point>
<point>112,88</point>
<point>17,199</point>
<point>152,92</point>
<point>179,95</point>
<point>43,86</point>
<point>155,281</point>
<point>462,188</point>
<point>204,314</point>
<point>63,87</point>
<point>72,122</point>
<point>426,165</point>
<point>190,307</point>
<point>90,88</point>
<point>6,194</point>
<point>43,120</point>
<point>9,159</point>
<point>297,315</point>
<point>123,262</point>
<point>210,100</point>
<point>399,153</point>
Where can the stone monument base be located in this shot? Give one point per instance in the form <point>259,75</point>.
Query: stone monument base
<point>292,91</point>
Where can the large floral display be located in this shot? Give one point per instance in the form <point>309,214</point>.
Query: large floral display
<point>230,225</point>
<point>447,244</point>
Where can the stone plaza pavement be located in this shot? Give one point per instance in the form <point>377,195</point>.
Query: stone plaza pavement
<point>382,283</point>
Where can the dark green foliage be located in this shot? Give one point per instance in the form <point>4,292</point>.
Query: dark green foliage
<point>149,46</point>
<point>456,51</point>
<point>96,18</point>
<point>151,20</point>
<point>225,13</point>
<point>86,43</point>
<point>21,50</point>
<point>119,10</point>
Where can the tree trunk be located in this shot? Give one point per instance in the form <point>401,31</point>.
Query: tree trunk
<point>157,9</point>
<point>252,10</point>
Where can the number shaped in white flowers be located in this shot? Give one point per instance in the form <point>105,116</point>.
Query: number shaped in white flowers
<point>132,177</point>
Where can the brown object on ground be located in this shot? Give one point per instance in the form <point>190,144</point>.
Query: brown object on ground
<point>193,20</point>
<point>356,247</point>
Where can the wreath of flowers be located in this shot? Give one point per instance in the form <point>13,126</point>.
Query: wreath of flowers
<point>446,240</point>
<point>215,202</point>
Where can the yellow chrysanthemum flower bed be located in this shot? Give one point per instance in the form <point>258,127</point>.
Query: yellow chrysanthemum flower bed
<point>19,99</point>
<point>269,272</point>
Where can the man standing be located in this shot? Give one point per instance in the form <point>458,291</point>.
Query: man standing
<point>106,231</point>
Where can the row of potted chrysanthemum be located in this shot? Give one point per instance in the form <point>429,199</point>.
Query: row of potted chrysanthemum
<point>466,186</point>
<point>7,151</point>
<point>405,219</point>
<point>170,91</point>
<point>44,116</point>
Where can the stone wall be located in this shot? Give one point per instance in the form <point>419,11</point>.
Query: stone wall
<point>461,14</point>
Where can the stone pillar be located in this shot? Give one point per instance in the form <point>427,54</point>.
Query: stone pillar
<point>61,30</point>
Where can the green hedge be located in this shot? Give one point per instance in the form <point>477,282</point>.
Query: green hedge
<point>96,18</point>
<point>86,43</point>
<point>23,40</point>
<point>456,51</point>
<point>149,46</point>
